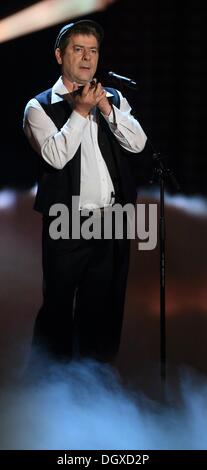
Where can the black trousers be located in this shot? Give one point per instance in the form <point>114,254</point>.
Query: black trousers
<point>84,284</point>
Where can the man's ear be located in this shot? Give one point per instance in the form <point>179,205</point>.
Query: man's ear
<point>58,56</point>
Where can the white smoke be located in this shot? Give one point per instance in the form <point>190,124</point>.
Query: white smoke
<point>84,406</point>
<point>195,205</point>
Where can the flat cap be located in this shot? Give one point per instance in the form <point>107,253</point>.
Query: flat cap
<point>70,28</point>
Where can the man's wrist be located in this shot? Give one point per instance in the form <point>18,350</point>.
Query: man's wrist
<point>111,117</point>
<point>107,112</point>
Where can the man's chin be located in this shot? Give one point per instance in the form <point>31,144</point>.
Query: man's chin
<point>84,79</point>
<point>84,82</point>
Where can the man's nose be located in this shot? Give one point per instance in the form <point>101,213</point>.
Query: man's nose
<point>86,54</point>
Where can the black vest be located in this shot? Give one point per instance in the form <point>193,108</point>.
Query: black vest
<point>58,186</point>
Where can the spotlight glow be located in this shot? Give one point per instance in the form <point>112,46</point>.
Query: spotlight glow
<point>195,204</point>
<point>8,199</point>
<point>46,13</point>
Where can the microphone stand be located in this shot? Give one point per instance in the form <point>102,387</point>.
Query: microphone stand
<point>160,173</point>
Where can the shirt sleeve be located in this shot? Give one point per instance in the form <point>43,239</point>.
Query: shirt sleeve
<point>125,127</point>
<point>56,147</point>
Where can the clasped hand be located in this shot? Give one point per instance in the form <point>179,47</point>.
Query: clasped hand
<point>92,94</point>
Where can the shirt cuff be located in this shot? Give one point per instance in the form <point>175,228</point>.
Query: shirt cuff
<point>115,116</point>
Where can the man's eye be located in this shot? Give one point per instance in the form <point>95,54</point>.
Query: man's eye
<point>78,49</point>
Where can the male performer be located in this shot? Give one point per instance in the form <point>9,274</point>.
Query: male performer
<point>83,134</point>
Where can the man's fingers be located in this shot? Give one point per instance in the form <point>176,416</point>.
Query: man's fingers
<point>93,83</point>
<point>101,96</point>
<point>98,89</point>
<point>86,89</point>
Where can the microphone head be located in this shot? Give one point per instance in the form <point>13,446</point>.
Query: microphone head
<point>125,80</point>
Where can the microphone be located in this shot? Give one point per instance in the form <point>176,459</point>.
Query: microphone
<point>127,81</point>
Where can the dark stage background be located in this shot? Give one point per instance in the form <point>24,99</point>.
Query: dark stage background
<point>158,43</point>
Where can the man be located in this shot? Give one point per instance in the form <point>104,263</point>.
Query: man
<point>83,134</point>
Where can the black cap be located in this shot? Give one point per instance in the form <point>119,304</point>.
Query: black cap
<point>69,28</point>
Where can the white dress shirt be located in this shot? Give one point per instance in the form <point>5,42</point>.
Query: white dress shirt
<point>59,147</point>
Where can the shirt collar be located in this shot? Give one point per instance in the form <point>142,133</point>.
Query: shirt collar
<point>59,91</point>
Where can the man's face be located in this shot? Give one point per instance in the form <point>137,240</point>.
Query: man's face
<point>80,58</point>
